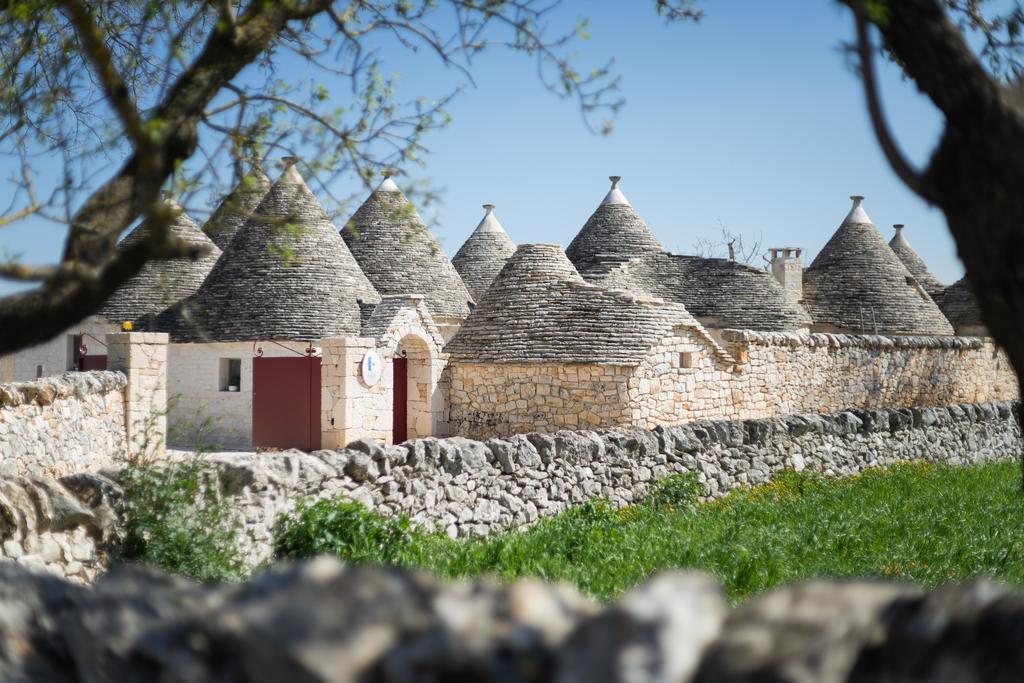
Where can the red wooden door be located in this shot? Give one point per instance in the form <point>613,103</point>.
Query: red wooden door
<point>399,426</point>
<point>286,402</point>
<point>92,363</point>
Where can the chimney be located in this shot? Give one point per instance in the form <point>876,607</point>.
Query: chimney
<point>787,269</point>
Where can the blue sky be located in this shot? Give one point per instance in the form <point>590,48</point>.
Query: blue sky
<point>750,118</point>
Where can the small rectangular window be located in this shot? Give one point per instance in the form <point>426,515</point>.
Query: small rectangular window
<point>230,374</point>
<point>687,359</point>
<point>39,371</point>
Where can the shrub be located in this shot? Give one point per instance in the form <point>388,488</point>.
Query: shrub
<point>675,493</point>
<point>347,529</point>
<point>176,519</point>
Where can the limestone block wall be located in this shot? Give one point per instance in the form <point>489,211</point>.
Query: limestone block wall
<point>681,380</point>
<point>512,398</point>
<point>54,356</point>
<point>784,373</point>
<point>74,422</point>
<point>468,487</point>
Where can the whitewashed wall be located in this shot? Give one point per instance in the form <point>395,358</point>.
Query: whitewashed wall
<point>54,355</point>
<point>200,414</point>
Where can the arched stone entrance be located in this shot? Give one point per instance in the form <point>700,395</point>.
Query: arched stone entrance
<point>414,389</point>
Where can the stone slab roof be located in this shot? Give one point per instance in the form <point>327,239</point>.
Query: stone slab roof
<point>915,264</point>
<point>959,305</point>
<point>484,254</point>
<point>236,208</point>
<point>858,284</point>
<point>287,274</point>
<point>161,283</point>
<point>540,310</point>
<point>721,293</point>
<point>614,231</point>
<point>399,255</point>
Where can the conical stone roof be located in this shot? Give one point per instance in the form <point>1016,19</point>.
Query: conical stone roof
<point>614,231</point>
<point>540,310</point>
<point>236,208</point>
<point>960,306</point>
<point>858,284</point>
<point>161,283</point>
<point>286,275</point>
<point>719,292</point>
<point>399,255</point>
<point>483,254</point>
<point>914,263</point>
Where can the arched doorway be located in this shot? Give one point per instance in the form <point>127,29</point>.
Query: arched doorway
<point>400,402</point>
<point>414,390</point>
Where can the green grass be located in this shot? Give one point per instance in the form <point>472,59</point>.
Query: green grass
<point>922,523</point>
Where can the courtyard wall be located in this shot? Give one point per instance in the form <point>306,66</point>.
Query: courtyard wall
<point>74,422</point>
<point>87,421</point>
<point>683,379</point>
<point>54,356</point>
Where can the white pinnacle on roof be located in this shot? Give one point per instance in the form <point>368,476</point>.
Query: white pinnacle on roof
<point>489,221</point>
<point>387,185</point>
<point>857,213</point>
<point>615,195</point>
<point>484,254</point>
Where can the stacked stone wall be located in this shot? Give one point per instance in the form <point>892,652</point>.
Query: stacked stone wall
<point>468,487</point>
<point>54,426</point>
<point>681,379</point>
<point>829,372</point>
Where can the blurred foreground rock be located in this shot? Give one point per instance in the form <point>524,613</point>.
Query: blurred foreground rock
<point>320,621</point>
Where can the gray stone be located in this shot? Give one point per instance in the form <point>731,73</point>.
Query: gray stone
<point>361,468</point>
<point>656,633</point>
<point>367,446</point>
<point>803,633</point>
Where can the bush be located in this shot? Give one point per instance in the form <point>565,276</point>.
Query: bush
<point>176,519</point>
<point>675,493</point>
<point>345,528</point>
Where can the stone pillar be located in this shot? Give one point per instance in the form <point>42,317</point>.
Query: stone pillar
<point>142,357</point>
<point>351,409</point>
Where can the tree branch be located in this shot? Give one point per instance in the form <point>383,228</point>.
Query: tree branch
<point>113,85</point>
<point>900,165</point>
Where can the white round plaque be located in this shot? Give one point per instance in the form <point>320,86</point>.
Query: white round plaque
<point>371,368</point>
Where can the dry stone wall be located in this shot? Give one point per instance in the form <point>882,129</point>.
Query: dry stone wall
<point>468,487</point>
<point>55,426</point>
<point>322,621</point>
<point>797,371</point>
<point>64,527</point>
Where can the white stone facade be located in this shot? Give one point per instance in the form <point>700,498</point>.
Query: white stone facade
<point>56,355</point>
<point>205,414</point>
